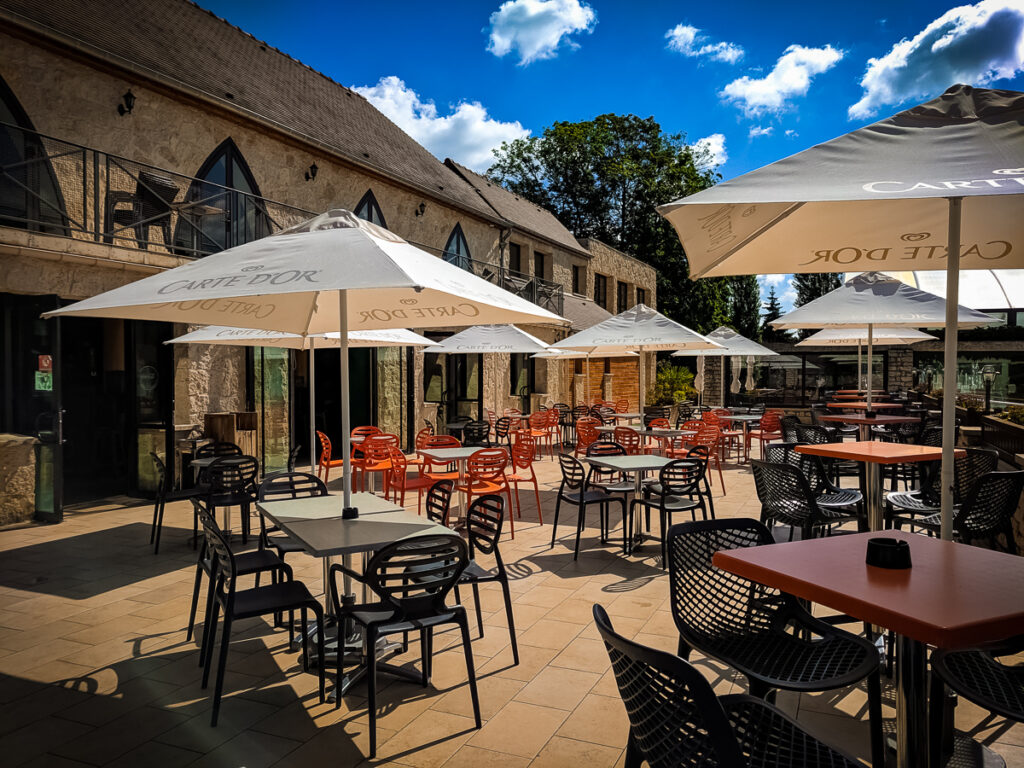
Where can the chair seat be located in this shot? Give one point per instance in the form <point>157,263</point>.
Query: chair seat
<point>340,463</point>
<point>476,573</point>
<point>910,501</point>
<point>257,560</point>
<point>284,544</point>
<point>480,487</point>
<point>230,499</point>
<point>520,478</point>
<point>842,497</point>
<point>384,619</point>
<point>589,497</point>
<point>770,738</point>
<point>977,676</point>
<point>435,476</point>
<point>273,598</point>
<point>622,487</point>
<point>760,433</point>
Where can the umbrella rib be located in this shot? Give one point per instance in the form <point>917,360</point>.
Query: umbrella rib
<point>312,309</point>
<point>752,236</point>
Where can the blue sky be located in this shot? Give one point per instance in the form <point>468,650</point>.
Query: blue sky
<point>750,81</point>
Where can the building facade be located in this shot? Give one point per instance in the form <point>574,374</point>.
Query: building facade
<point>135,147</point>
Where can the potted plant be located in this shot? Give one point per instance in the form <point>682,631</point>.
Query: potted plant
<point>969,408</point>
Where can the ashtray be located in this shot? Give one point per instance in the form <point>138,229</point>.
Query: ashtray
<point>888,553</point>
<point>869,414</point>
<point>349,513</point>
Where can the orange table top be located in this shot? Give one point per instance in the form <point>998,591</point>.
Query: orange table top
<point>859,396</point>
<point>860,418</point>
<point>862,406</point>
<point>954,596</point>
<point>873,452</point>
<point>859,391</point>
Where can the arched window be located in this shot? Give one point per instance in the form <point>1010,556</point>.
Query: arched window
<point>30,196</point>
<point>456,251</point>
<point>226,207</point>
<point>369,209</point>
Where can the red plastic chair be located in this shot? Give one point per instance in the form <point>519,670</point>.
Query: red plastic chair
<point>768,429</point>
<point>621,406</point>
<point>325,463</point>
<point>658,443</point>
<point>401,481</point>
<point>586,433</point>
<point>485,474</point>
<point>438,441</point>
<point>523,472</point>
<point>709,438</point>
<point>539,431</point>
<point>629,439</point>
<point>377,458</point>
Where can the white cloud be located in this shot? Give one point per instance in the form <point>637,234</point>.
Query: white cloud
<point>972,44</point>
<point>789,78</point>
<point>756,131</point>
<point>690,42</point>
<point>709,152</point>
<point>537,28</point>
<point>784,290</point>
<point>791,134</point>
<point>466,134</point>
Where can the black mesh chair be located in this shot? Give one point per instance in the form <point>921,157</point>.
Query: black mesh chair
<point>281,486</point>
<point>405,604</point>
<point>573,490</point>
<point>765,634</point>
<point>284,595</point>
<point>476,433</point>
<point>826,493</point>
<point>969,466</point>
<point>677,720</point>
<point>684,412</point>
<point>483,529</point>
<point>165,493</point>
<point>439,501</point>
<point>231,482</point>
<point>678,489</point>
<point>986,513</point>
<point>786,498</point>
<point>787,426</point>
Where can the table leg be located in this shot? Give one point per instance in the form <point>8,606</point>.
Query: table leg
<point>874,501</point>
<point>911,702</point>
<point>746,445</point>
<point>637,533</point>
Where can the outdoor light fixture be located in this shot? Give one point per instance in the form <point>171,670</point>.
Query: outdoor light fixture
<point>127,104</point>
<point>311,172</point>
<point>420,209</point>
<point>989,373</point>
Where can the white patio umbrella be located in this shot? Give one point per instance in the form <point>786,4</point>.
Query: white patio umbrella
<point>250,337</point>
<point>947,175</point>
<point>732,344</point>
<point>844,337</point>
<point>750,374</point>
<point>639,329</point>
<point>568,354</point>
<point>333,273</point>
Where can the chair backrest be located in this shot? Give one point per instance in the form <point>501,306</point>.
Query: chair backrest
<point>232,474</point>
<point>377,448</point>
<point>784,493</point>
<point>709,604</point>
<point>220,553</point>
<point>366,431</point>
<point>812,434</point>
<point>810,466</point>
<point>476,433</point>
<point>325,448</point>
<point>970,467</point>
<point>674,715</point>
<point>586,431</point>
<point>487,464</point>
<point>683,413</point>
<point>484,519</point>
<point>604,448</point>
<point>770,421</point>
<point>438,561</point>
<point>422,435</point>
<point>501,428</point>
<point>564,412</point>
<point>710,417</point>
<point>694,424</point>
<point>606,414</point>
<point>291,485</point>
<point>554,418</point>
<point>538,420</point>
<point>579,412</point>
<point>708,437</point>
<point>210,450</point>
<point>628,438</point>
<point>399,463</point>
<point>154,194</point>
<point>573,473</point>
<point>442,441</point>
<point>439,501</point>
<point>523,451</point>
<point>681,477</point>
<point>621,406</point>
<point>990,507</point>
<point>293,457</point>
<point>491,417</point>
<point>931,436</point>
<point>161,473</point>
<point>788,425</point>
<point>659,423</point>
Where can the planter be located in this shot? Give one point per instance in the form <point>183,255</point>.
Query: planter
<point>967,417</point>
<point>1005,436</point>
<point>932,403</point>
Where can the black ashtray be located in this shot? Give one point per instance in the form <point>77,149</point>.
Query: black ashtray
<point>869,414</point>
<point>888,553</point>
<point>349,513</point>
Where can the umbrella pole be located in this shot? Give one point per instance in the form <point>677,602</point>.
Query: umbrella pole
<point>860,369</point>
<point>346,429</point>
<point>949,363</point>
<point>312,406</point>
<point>641,395</point>
<point>871,356</point>
<point>586,394</point>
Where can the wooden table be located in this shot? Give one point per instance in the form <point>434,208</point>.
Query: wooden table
<point>865,422</point>
<point>873,454</point>
<point>860,405</point>
<point>954,596</point>
<point>635,466</point>
<point>859,396</point>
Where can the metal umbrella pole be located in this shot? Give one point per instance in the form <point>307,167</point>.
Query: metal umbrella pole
<point>949,361</point>
<point>312,406</point>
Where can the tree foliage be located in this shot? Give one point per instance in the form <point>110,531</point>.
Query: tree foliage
<point>745,306</point>
<point>773,311</point>
<point>604,178</point>
<point>810,287</point>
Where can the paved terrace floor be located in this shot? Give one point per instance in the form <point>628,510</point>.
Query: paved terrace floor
<point>95,669</point>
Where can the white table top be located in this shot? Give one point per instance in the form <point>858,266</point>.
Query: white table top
<point>316,523</point>
<point>629,463</point>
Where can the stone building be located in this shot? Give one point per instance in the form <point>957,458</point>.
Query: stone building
<point>133,147</point>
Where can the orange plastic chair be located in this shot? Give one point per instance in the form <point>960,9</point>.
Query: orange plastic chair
<point>768,429</point>
<point>586,433</point>
<point>523,472</point>
<point>422,435</point>
<point>539,430</point>
<point>658,443</point>
<point>485,473</point>
<point>621,406</point>
<point>709,438</point>
<point>682,445</point>
<point>554,427</point>
<point>629,439</point>
<point>377,458</point>
<point>326,462</point>
<point>438,441</point>
<point>401,481</point>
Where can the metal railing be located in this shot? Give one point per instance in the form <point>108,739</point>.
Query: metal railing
<point>57,187</point>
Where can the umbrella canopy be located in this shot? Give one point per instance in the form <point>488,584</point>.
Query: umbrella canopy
<point>485,339</point>
<point>333,273</point>
<point>568,354</point>
<point>732,345</point>
<point>251,337</point>
<point>639,329</point>
<point>840,337</point>
<point>989,289</point>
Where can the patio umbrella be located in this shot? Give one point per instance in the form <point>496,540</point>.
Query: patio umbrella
<point>639,329</point>
<point>830,337</point>
<point>250,337</point>
<point>894,194</point>
<point>750,374</point>
<point>732,344</point>
<point>568,354</point>
<point>333,273</point>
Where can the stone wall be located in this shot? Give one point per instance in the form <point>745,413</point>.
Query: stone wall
<point>618,267</point>
<point>17,478</point>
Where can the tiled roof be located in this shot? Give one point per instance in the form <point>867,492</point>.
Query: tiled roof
<point>179,44</point>
<point>520,212</point>
<point>582,313</point>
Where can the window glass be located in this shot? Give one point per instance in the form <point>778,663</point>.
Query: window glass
<point>622,296</point>
<point>514,258</point>
<point>577,279</point>
<point>601,290</point>
<point>456,250</point>
<point>369,210</point>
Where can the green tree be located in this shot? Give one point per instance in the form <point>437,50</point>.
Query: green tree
<point>773,311</point>
<point>604,178</point>
<point>810,287</point>
<point>745,306</point>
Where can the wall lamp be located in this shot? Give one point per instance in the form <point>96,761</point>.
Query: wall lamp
<point>311,172</point>
<point>420,209</point>
<point>127,104</point>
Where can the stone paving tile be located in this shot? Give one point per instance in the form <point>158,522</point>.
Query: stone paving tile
<point>95,669</point>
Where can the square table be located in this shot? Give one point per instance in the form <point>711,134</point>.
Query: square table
<point>953,596</point>
<point>626,416</point>
<point>745,419</point>
<point>456,456</point>
<point>873,454</point>
<point>865,422</point>
<point>863,406</point>
<point>636,466</point>
<point>657,434</point>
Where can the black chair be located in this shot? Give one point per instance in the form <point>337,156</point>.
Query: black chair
<point>677,720</point>
<point>683,414</point>
<point>565,420</point>
<point>765,634</point>
<point>284,595</point>
<point>211,450</point>
<point>293,457</point>
<point>476,433</point>
<point>610,481</point>
<point>502,431</point>
<point>165,493</point>
<point>787,426</point>
<point>573,490</point>
<point>969,466</point>
<point>786,498</point>
<point>231,482</point>
<point>703,453</point>
<point>280,486</point>
<point>439,501</point>
<point>483,529</point>
<point>678,490</point>
<point>826,493</point>
<point>986,513</point>
<point>405,604</point>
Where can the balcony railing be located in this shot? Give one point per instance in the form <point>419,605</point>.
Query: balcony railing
<point>53,186</point>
